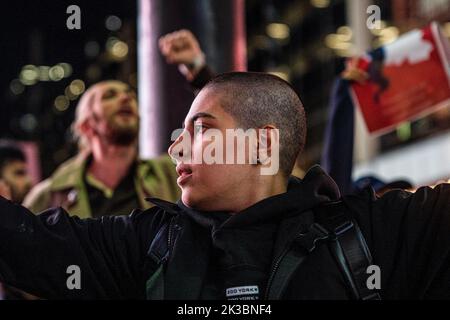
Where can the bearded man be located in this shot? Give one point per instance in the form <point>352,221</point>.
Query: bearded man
<point>106,177</point>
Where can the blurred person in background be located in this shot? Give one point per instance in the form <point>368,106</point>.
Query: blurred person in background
<point>337,154</point>
<point>15,182</point>
<point>106,176</point>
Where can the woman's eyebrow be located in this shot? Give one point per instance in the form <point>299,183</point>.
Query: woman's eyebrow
<point>198,116</point>
<point>202,115</point>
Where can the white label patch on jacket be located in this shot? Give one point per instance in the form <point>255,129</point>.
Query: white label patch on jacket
<point>243,293</point>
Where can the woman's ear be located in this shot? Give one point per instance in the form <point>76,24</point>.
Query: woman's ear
<point>268,144</point>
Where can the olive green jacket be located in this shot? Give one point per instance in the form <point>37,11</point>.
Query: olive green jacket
<point>66,187</point>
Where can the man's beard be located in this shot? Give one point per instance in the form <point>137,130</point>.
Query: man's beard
<point>18,196</point>
<point>121,136</point>
<point>115,134</point>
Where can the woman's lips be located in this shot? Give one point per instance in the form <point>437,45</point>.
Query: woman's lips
<point>184,172</point>
<point>183,178</point>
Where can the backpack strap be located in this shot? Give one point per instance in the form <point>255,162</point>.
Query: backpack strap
<point>291,260</point>
<point>348,247</point>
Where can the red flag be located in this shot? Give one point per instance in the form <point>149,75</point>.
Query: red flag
<point>408,79</point>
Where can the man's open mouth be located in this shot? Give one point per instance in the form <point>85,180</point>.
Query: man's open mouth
<point>126,111</point>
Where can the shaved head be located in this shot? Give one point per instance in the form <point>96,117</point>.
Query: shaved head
<point>258,99</point>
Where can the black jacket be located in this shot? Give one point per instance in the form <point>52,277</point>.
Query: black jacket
<point>408,235</point>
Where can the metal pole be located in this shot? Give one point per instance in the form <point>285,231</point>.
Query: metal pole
<point>365,147</point>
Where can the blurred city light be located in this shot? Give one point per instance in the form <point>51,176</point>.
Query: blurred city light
<point>341,41</point>
<point>61,103</point>
<point>16,87</point>
<point>282,72</point>
<point>113,23</point>
<point>116,48</point>
<point>320,3</point>
<point>377,31</point>
<point>77,87</point>
<point>388,35</point>
<point>56,73</point>
<point>110,42</point>
<point>119,49</point>
<point>29,75</point>
<point>67,69</point>
<point>344,33</point>
<point>68,93</point>
<point>28,122</point>
<point>278,31</point>
<point>44,73</point>
<point>334,41</point>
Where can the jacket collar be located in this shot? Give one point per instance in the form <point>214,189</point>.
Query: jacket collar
<point>69,177</point>
<point>70,174</point>
<point>165,205</point>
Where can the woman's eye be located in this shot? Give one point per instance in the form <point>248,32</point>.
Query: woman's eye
<point>199,128</point>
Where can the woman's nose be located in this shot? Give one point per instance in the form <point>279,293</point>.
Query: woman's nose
<point>179,149</point>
